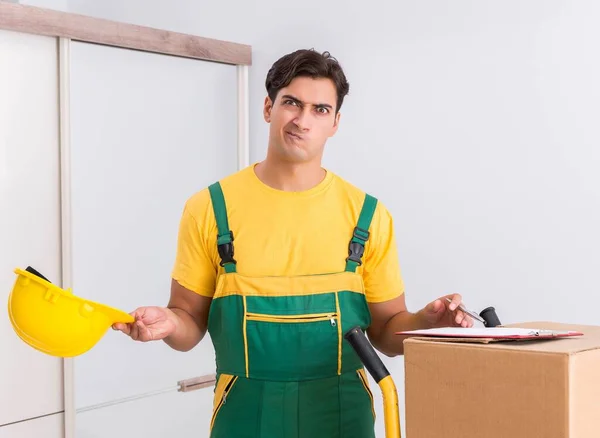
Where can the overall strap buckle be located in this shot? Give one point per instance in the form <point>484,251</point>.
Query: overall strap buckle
<point>360,235</point>
<point>225,248</point>
<point>356,248</point>
<point>225,235</point>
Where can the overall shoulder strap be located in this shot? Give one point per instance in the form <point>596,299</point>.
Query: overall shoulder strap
<point>224,236</point>
<point>356,248</point>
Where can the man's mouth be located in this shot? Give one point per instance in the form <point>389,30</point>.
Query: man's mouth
<point>294,135</point>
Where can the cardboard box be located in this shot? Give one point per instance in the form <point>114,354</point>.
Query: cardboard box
<point>515,389</point>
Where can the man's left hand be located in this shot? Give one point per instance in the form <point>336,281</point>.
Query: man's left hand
<point>441,313</point>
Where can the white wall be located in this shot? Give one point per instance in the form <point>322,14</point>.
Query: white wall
<point>172,133</point>
<point>31,382</point>
<point>482,115</point>
<point>61,5</point>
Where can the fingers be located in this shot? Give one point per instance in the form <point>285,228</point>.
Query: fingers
<point>131,329</point>
<point>138,314</point>
<point>140,332</point>
<point>456,300</point>
<point>460,318</point>
<point>135,331</point>
<point>125,328</point>
<point>148,325</point>
<point>463,320</point>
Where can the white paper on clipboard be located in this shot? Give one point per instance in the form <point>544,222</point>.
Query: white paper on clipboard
<point>494,333</point>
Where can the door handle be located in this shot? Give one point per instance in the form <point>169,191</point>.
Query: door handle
<point>197,383</point>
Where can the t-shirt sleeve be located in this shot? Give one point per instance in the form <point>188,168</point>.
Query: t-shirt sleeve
<point>193,269</point>
<point>381,270</point>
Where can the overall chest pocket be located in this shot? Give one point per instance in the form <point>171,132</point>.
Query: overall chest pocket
<point>292,346</point>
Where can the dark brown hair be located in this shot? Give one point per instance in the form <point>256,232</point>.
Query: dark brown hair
<point>308,63</point>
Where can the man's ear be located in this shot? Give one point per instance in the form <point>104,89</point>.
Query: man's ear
<point>336,124</point>
<point>268,107</point>
<point>337,119</point>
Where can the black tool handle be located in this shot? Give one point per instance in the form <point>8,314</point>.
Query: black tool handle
<point>490,317</point>
<point>366,353</point>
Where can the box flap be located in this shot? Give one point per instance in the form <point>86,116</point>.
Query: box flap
<point>589,341</point>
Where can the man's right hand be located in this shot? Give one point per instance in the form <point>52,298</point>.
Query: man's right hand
<point>181,325</point>
<point>151,324</point>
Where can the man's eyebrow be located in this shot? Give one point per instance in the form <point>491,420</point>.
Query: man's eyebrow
<point>295,99</point>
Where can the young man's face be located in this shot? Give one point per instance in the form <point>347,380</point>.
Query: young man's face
<point>302,118</point>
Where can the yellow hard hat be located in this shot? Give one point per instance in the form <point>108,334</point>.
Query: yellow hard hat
<point>53,320</point>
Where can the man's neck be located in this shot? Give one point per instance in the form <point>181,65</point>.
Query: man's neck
<point>289,177</point>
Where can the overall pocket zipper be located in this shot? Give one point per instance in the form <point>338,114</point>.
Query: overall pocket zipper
<point>314,317</point>
<point>227,389</point>
<point>223,398</point>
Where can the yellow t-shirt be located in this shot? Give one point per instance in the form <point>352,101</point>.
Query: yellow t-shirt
<point>278,233</point>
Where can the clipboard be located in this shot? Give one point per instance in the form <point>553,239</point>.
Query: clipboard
<point>490,334</point>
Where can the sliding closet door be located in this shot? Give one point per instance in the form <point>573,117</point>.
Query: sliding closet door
<point>50,426</point>
<point>147,131</point>
<point>30,382</point>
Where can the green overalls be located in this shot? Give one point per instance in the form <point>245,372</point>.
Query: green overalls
<point>284,369</point>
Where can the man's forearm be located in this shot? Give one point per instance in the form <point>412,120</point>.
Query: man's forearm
<point>391,344</point>
<point>187,333</point>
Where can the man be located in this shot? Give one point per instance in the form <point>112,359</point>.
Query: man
<point>276,262</point>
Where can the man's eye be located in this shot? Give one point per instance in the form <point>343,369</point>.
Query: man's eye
<point>293,102</point>
<point>323,110</point>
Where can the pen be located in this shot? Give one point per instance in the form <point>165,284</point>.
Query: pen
<point>468,312</point>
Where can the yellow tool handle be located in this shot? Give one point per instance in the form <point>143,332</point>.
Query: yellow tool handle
<point>381,375</point>
<point>391,413</point>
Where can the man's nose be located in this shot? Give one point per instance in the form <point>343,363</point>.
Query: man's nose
<point>303,119</point>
